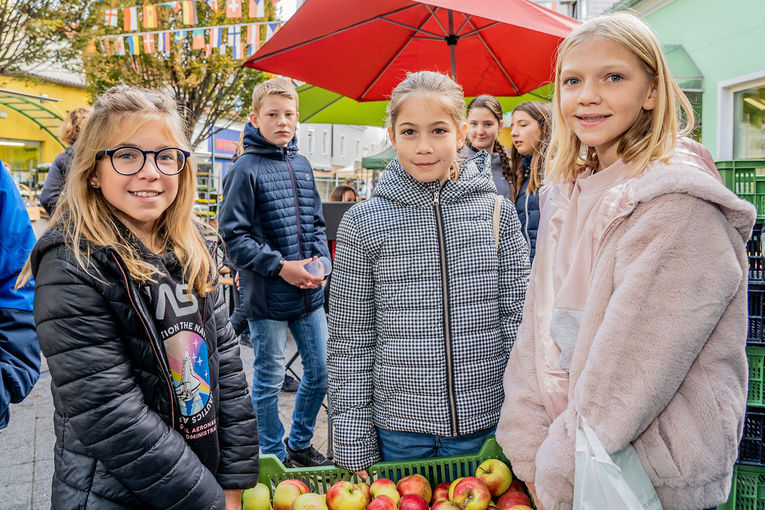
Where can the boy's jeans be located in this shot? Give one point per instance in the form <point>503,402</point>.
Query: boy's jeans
<point>395,445</point>
<point>269,338</point>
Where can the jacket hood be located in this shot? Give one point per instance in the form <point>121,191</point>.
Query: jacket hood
<point>692,171</point>
<point>256,141</point>
<point>398,186</point>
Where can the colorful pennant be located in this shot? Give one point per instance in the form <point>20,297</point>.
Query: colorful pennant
<point>257,9</point>
<point>233,8</point>
<point>130,23</point>
<point>213,5</point>
<point>119,45</point>
<point>111,17</point>
<point>148,43</point>
<point>149,16</point>
<point>189,12</point>
<point>198,40</point>
<point>271,29</point>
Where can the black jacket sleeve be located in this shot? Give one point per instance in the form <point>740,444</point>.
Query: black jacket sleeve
<point>95,391</point>
<point>237,428</point>
<point>54,183</point>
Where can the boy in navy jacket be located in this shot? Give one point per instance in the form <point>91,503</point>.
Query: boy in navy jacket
<point>272,222</point>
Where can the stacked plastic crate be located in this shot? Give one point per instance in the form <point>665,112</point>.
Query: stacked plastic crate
<point>747,180</point>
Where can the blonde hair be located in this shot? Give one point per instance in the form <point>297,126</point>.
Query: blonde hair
<point>437,86</point>
<point>275,86</point>
<point>653,134</point>
<point>72,124</point>
<point>83,214</point>
<point>540,112</point>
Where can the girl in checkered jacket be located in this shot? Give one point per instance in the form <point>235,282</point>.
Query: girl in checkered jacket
<point>426,299</point>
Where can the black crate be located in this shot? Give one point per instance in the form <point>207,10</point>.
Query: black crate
<point>756,332</point>
<point>754,252</point>
<point>750,450</point>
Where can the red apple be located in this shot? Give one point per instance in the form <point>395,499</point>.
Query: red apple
<point>382,502</point>
<point>386,487</point>
<point>471,494</point>
<point>495,475</point>
<point>286,492</point>
<point>510,499</point>
<point>345,496</point>
<point>412,502</point>
<point>520,507</point>
<point>415,484</point>
<point>517,485</point>
<point>440,493</point>
<point>444,504</point>
<point>364,488</point>
<point>309,501</point>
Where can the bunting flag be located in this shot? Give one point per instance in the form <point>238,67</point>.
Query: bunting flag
<point>119,45</point>
<point>178,36</point>
<point>274,2</point>
<point>271,29</point>
<point>131,19</point>
<point>198,40</point>
<point>163,42</point>
<point>235,41</point>
<point>148,43</point>
<point>208,45</point>
<point>91,49</point>
<point>111,17</point>
<point>133,44</point>
<point>257,9</point>
<point>213,5</point>
<point>189,12</point>
<point>149,16</point>
<point>253,39</point>
<point>175,6</point>
<point>233,8</point>
<point>108,47</point>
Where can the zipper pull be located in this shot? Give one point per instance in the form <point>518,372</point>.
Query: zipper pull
<point>435,197</point>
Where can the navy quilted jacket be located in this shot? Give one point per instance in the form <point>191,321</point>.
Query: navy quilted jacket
<point>527,207</point>
<point>424,310</point>
<point>272,209</point>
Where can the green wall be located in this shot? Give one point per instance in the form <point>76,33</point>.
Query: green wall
<point>725,38</point>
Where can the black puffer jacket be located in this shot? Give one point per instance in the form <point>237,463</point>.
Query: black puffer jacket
<point>54,183</point>
<point>115,445</point>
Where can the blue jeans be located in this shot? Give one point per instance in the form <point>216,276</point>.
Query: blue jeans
<point>269,338</point>
<point>396,445</point>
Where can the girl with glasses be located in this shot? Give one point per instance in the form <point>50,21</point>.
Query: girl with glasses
<point>151,402</point>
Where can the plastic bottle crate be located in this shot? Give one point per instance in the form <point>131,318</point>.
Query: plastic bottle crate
<point>438,469</point>
<point>748,489</point>
<point>746,178</point>
<point>751,450</point>
<point>756,329</point>
<point>754,253</point>
<point>756,357</point>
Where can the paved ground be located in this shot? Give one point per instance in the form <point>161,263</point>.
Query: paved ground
<point>26,461</point>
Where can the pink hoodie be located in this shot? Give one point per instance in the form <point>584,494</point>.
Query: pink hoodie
<point>648,298</point>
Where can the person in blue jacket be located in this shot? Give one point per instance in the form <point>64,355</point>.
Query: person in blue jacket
<point>19,347</point>
<point>271,219</point>
<point>530,131</point>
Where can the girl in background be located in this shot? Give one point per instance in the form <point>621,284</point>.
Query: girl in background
<point>530,131</point>
<point>636,315</point>
<point>424,305</point>
<point>342,194</point>
<point>484,121</point>
<point>151,402</point>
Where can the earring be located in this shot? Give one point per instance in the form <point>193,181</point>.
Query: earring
<point>94,185</point>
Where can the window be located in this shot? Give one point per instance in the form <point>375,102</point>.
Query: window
<point>358,149</point>
<point>310,141</point>
<point>749,123</point>
<point>324,138</point>
<point>342,146</point>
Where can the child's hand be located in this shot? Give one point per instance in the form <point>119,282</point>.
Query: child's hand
<point>233,499</point>
<point>294,273</point>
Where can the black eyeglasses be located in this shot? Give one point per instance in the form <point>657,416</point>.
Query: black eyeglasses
<point>130,160</point>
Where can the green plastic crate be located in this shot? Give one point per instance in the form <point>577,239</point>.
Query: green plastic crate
<point>320,479</point>
<point>748,489</point>
<point>746,178</point>
<point>756,357</point>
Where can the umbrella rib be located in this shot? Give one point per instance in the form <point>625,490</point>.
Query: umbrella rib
<point>467,20</point>
<point>433,15</point>
<point>390,62</point>
<point>324,36</point>
<point>474,32</point>
<point>403,25</point>
<point>496,60</point>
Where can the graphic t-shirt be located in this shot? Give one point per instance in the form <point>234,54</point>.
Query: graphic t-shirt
<point>178,316</point>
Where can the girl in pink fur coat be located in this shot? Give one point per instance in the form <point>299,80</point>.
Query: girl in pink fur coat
<point>636,312</point>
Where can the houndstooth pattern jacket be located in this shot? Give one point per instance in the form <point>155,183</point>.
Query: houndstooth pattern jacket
<point>424,310</point>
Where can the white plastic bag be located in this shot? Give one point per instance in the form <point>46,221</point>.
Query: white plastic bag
<point>611,482</point>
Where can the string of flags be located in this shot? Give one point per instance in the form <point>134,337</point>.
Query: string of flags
<point>202,38</point>
<point>188,15</point>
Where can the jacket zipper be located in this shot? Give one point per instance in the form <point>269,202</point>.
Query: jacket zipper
<point>447,324</point>
<point>152,339</point>
<point>297,210</point>
<point>611,225</point>
<point>526,212</point>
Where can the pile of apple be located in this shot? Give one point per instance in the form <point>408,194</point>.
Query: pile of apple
<point>492,486</point>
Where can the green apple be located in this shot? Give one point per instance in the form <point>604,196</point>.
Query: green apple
<point>256,498</point>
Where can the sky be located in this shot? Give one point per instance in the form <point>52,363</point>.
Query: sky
<point>285,9</point>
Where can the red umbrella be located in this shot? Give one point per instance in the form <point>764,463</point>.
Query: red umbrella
<point>363,48</point>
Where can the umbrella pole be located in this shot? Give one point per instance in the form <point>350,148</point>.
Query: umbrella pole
<point>451,40</point>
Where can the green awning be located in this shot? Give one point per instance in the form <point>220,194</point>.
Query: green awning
<point>378,161</point>
<point>33,108</point>
<point>683,68</point>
